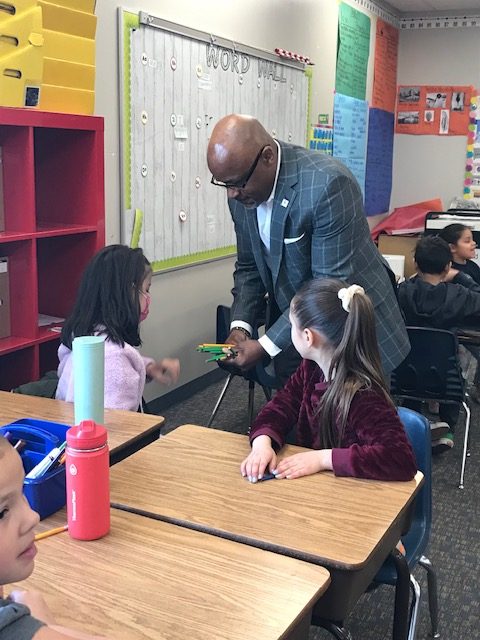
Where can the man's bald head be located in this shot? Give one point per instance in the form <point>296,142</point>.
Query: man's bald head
<point>235,144</point>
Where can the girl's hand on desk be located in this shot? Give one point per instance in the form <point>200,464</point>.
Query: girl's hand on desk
<point>261,456</point>
<point>165,371</point>
<point>304,464</point>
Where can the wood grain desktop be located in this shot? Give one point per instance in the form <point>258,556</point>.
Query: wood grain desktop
<point>128,431</point>
<point>149,579</point>
<point>192,477</point>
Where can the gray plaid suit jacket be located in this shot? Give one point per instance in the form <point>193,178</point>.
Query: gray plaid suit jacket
<point>318,230</point>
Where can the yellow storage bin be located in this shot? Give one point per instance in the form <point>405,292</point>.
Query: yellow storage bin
<point>22,30</point>
<point>14,8</point>
<point>77,23</point>
<point>68,47</point>
<point>68,74</point>
<point>20,79</point>
<point>21,59</point>
<point>88,6</point>
<point>67,100</point>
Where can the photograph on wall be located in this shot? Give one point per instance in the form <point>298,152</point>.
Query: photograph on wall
<point>458,100</point>
<point>409,94</point>
<point>432,110</point>
<point>436,100</point>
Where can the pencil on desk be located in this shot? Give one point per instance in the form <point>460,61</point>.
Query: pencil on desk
<point>51,532</point>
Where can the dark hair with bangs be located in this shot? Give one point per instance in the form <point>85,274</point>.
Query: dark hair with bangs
<point>355,364</point>
<point>108,296</point>
<point>453,232</point>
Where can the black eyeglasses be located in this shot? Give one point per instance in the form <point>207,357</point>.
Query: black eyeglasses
<point>242,183</point>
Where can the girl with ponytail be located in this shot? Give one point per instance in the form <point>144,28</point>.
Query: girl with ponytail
<point>337,401</point>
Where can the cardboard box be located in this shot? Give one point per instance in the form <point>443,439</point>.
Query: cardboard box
<point>400,245</point>
<point>4,299</point>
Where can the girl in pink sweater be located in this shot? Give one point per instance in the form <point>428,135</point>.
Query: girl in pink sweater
<point>112,300</point>
<point>337,400</point>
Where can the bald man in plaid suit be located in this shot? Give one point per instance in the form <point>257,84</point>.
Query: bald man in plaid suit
<point>298,214</point>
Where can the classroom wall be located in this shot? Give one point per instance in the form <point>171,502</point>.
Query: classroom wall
<point>427,167</point>
<point>184,301</point>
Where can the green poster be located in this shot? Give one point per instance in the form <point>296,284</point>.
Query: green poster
<point>352,52</point>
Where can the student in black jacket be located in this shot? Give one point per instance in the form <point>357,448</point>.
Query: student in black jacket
<point>441,297</point>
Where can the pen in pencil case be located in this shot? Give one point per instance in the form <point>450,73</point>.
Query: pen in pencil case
<point>44,465</point>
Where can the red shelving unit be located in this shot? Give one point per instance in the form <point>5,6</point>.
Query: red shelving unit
<point>53,200</point>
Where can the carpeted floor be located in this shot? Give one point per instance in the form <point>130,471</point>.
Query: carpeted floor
<point>454,544</point>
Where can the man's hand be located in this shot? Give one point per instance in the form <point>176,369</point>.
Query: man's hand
<point>247,351</point>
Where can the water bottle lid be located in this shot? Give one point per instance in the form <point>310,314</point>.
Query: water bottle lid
<point>86,435</point>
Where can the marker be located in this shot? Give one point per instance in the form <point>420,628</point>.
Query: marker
<point>44,465</point>
<point>7,435</point>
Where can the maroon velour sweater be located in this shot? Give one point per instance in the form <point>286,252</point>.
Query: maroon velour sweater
<point>374,443</point>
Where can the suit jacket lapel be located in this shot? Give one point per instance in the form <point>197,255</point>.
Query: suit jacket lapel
<point>282,205</point>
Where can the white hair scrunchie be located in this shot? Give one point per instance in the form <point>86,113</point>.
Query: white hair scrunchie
<point>346,294</point>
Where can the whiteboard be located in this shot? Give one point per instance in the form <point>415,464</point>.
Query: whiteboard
<point>177,83</point>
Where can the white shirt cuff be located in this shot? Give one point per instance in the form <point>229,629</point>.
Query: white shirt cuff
<point>269,346</point>
<point>244,325</point>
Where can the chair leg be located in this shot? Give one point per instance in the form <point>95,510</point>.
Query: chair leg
<point>220,399</point>
<point>416,593</point>
<point>402,592</point>
<point>335,628</point>
<point>465,444</point>
<point>251,400</point>
<point>432,594</point>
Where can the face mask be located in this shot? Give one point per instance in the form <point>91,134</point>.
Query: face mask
<point>144,313</point>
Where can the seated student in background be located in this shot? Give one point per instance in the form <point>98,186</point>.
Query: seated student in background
<point>441,297</point>
<point>23,614</point>
<point>463,248</point>
<point>337,400</point>
<point>112,300</point>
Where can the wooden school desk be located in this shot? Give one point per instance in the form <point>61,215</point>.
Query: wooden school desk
<point>192,477</point>
<point>128,431</point>
<point>149,579</point>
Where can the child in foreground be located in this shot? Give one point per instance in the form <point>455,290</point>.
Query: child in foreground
<point>112,300</point>
<point>337,399</point>
<point>23,614</point>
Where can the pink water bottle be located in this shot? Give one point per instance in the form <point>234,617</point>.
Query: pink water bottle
<point>88,485</point>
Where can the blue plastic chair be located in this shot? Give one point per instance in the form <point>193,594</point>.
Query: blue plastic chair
<point>256,375</point>
<point>416,540</point>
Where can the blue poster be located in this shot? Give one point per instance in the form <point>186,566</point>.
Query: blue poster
<point>350,134</point>
<point>378,181</point>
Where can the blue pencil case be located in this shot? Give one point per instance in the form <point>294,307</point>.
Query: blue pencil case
<point>46,494</point>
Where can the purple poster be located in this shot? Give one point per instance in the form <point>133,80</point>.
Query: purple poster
<point>378,179</point>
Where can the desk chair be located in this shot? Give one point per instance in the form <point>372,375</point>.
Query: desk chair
<point>257,375</point>
<point>415,541</point>
<point>431,371</point>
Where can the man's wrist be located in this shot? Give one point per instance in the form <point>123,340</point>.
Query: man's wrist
<point>243,330</point>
